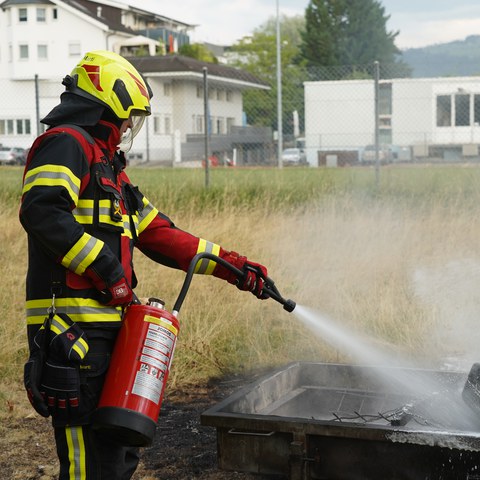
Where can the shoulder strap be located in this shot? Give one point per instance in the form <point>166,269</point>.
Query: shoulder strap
<point>81,135</point>
<point>92,151</point>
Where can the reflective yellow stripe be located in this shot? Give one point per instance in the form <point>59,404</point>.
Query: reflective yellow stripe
<point>82,254</point>
<point>149,212</point>
<point>205,265</point>
<point>53,176</point>
<point>76,453</point>
<point>84,215</point>
<point>58,326</point>
<point>81,347</point>
<point>84,211</point>
<point>78,309</point>
<point>55,329</point>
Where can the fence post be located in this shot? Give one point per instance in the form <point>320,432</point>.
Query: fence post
<point>279,93</point>
<point>37,105</point>
<point>376,76</point>
<point>206,125</point>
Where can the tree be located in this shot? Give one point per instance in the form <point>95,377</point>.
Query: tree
<point>198,51</point>
<point>257,54</point>
<point>347,32</point>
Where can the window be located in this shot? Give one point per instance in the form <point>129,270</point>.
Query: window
<point>444,111</point>
<point>7,127</point>
<point>197,123</point>
<point>385,121</point>
<point>385,136</point>
<point>42,52</point>
<point>168,125</point>
<point>166,128</point>
<point>54,14</point>
<point>199,91</point>
<point>476,109</point>
<point>156,124</point>
<point>220,94</point>
<point>167,89</point>
<point>41,15</point>
<point>22,15</point>
<point>385,98</point>
<point>23,52</point>
<point>230,124</point>
<point>74,49</point>
<point>462,110</point>
<point>229,94</point>
<point>219,126</point>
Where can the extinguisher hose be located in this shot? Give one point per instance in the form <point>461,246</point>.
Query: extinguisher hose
<point>269,288</point>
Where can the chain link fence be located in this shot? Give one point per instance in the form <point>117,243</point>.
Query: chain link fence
<point>350,115</point>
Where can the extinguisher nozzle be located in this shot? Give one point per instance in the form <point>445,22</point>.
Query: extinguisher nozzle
<point>289,305</point>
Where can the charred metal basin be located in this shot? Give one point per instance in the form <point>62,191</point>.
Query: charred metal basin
<point>334,421</point>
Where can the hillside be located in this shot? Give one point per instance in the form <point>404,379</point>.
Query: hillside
<point>458,58</point>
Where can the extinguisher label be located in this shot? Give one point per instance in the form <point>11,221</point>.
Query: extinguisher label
<point>161,321</point>
<point>148,386</point>
<point>157,352</point>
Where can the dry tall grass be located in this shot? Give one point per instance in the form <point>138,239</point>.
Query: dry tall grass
<point>399,264</point>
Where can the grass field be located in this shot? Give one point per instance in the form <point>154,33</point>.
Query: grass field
<point>397,262</point>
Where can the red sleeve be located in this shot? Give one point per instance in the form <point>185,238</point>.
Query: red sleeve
<point>164,243</point>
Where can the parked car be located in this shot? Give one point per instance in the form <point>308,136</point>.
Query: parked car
<point>294,156</point>
<point>384,154</point>
<point>12,156</point>
<point>401,153</point>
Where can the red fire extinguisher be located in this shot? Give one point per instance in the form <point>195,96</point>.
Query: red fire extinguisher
<point>133,391</point>
<point>132,395</point>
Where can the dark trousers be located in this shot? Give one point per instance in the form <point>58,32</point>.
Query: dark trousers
<point>86,455</point>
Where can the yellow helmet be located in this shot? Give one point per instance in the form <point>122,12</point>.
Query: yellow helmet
<point>109,79</point>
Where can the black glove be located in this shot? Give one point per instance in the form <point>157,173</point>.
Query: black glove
<point>61,384</point>
<point>67,348</point>
<point>33,371</point>
<point>51,375</point>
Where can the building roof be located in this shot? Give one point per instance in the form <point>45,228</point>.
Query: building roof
<point>7,3</point>
<point>168,65</point>
<point>111,14</point>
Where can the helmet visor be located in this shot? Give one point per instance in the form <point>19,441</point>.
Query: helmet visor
<point>126,141</point>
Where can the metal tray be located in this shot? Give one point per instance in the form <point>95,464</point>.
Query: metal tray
<point>334,421</point>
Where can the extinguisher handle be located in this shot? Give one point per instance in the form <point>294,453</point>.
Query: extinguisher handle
<point>191,271</point>
<point>135,300</point>
<point>269,287</point>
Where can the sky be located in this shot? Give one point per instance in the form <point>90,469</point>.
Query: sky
<point>420,22</point>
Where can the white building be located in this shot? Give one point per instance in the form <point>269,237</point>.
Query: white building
<point>42,40</point>
<point>436,117</point>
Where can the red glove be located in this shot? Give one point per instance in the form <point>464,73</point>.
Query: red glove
<point>253,278</point>
<point>119,293</point>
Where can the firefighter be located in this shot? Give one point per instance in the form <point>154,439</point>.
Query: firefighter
<point>83,218</point>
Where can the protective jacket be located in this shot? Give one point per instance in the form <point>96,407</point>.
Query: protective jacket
<point>80,210</point>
